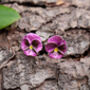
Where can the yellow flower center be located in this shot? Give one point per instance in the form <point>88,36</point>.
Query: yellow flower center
<point>56,50</point>
<point>31,47</point>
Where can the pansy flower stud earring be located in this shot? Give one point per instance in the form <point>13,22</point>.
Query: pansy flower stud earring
<point>56,47</point>
<point>31,44</point>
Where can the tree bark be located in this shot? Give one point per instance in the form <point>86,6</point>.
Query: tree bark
<point>68,18</point>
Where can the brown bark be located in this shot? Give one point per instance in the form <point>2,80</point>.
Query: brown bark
<point>70,20</point>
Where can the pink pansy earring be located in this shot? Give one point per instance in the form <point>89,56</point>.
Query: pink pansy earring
<point>31,44</point>
<point>56,47</point>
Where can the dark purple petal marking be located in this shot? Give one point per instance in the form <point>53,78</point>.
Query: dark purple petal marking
<point>24,44</point>
<point>62,48</point>
<point>26,38</point>
<point>50,47</point>
<point>37,45</point>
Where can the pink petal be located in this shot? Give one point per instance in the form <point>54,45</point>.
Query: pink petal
<point>55,39</point>
<point>32,36</point>
<point>50,47</point>
<point>23,45</point>
<point>55,55</point>
<point>63,42</point>
<point>26,38</point>
<point>30,53</point>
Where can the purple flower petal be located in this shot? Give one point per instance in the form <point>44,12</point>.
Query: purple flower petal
<point>24,44</point>
<point>62,46</point>
<point>37,45</point>
<point>32,36</point>
<point>30,53</point>
<point>63,42</point>
<point>26,38</point>
<point>55,39</point>
<point>50,47</point>
<point>55,55</point>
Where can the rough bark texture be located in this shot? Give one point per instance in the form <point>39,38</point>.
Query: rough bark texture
<point>69,19</point>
